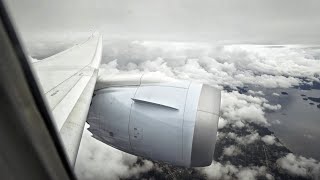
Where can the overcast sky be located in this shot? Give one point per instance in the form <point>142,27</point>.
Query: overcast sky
<point>245,21</point>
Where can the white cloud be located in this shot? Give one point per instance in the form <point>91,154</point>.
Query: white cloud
<point>228,171</point>
<point>239,109</point>
<point>272,107</point>
<point>218,171</point>
<point>222,123</point>
<point>231,151</point>
<point>231,65</point>
<point>232,135</point>
<point>300,166</point>
<point>269,176</point>
<point>260,93</point>
<point>236,107</point>
<point>244,140</point>
<point>238,124</point>
<point>269,139</point>
<point>284,61</point>
<point>97,160</point>
<point>275,94</point>
<point>277,122</point>
<point>265,80</point>
<point>309,136</point>
<point>248,139</point>
<point>250,173</point>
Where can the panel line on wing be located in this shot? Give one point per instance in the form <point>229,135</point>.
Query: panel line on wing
<point>71,82</point>
<point>60,91</point>
<point>68,78</point>
<point>63,109</point>
<point>92,59</point>
<point>55,71</point>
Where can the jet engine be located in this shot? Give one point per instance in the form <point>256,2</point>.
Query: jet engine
<point>160,119</point>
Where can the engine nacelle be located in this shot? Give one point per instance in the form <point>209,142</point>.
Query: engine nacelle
<point>172,121</point>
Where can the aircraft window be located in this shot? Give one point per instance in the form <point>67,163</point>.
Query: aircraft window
<point>144,79</point>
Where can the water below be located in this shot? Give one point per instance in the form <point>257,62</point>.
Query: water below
<point>299,127</point>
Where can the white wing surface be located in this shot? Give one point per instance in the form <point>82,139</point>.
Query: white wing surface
<point>68,79</point>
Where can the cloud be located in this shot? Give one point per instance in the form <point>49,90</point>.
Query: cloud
<point>244,140</point>
<point>97,160</point>
<point>260,93</point>
<point>272,107</point>
<point>222,123</point>
<point>300,166</point>
<point>309,136</point>
<point>228,171</point>
<point>231,151</point>
<point>248,139</point>
<point>269,139</point>
<point>275,94</point>
<point>236,108</point>
<point>218,171</point>
<point>276,122</point>
<point>229,65</point>
<point>250,173</point>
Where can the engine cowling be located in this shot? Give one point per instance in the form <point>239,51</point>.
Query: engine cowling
<point>162,120</point>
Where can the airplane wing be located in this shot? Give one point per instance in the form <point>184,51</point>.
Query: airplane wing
<point>68,79</point>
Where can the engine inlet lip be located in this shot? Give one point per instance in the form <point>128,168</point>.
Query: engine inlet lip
<point>206,126</point>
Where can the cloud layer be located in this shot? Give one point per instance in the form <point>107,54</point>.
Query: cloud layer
<point>300,166</point>
<point>230,65</point>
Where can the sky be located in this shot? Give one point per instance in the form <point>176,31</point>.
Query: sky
<point>228,21</point>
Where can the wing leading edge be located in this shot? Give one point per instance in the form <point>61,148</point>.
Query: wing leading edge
<point>68,79</point>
